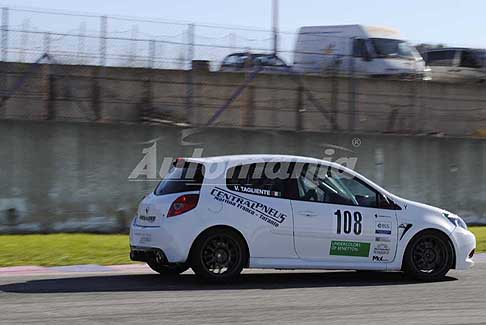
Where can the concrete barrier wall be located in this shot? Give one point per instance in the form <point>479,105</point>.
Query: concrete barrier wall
<point>65,176</point>
<point>284,102</point>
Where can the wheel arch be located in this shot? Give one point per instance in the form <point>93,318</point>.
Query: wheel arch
<point>225,227</point>
<point>434,230</point>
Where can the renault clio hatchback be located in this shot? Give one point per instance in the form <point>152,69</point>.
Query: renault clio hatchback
<point>220,215</point>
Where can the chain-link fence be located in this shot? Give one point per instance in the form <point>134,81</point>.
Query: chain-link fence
<point>123,41</point>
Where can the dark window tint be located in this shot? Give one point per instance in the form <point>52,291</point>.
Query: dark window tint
<point>359,48</point>
<point>265,179</point>
<point>269,60</point>
<point>440,58</point>
<point>236,60</point>
<point>469,60</point>
<point>182,177</point>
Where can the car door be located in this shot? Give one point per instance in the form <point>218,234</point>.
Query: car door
<point>255,198</point>
<point>443,64</point>
<point>470,66</point>
<point>338,218</point>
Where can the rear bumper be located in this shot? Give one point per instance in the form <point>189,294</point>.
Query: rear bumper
<point>146,241</point>
<point>148,254</point>
<point>465,244</point>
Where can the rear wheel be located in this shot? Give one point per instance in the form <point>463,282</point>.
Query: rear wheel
<point>429,256</point>
<point>219,255</point>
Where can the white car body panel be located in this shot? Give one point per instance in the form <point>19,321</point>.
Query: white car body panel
<point>280,235</point>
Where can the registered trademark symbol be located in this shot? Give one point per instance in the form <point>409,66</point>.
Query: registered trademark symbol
<point>356,142</point>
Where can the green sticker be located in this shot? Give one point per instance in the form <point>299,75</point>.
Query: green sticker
<point>349,248</point>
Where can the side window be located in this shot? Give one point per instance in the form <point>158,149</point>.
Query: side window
<point>469,60</point>
<point>229,60</point>
<point>314,184</point>
<point>266,179</point>
<point>440,58</point>
<point>363,195</point>
<point>319,183</point>
<point>359,48</point>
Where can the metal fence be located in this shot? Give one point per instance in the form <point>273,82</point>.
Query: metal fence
<point>85,39</point>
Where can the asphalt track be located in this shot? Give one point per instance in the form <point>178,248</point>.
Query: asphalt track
<point>283,297</point>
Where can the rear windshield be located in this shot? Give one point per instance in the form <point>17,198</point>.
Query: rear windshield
<point>183,177</point>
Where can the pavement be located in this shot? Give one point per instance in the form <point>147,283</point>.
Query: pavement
<point>134,294</point>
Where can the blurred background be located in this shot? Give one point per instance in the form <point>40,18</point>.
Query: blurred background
<point>84,95</point>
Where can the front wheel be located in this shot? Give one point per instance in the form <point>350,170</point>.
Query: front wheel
<point>429,256</point>
<point>219,256</point>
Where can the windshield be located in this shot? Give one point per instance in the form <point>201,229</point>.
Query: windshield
<point>269,60</point>
<point>385,47</point>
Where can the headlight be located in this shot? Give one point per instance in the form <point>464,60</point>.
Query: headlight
<point>455,220</point>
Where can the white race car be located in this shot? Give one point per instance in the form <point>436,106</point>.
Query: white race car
<point>219,215</point>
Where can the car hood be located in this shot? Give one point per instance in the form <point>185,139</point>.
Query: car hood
<point>417,208</point>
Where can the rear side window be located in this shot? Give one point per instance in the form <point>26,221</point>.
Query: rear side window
<point>469,60</point>
<point>440,58</point>
<point>265,179</point>
<point>182,177</point>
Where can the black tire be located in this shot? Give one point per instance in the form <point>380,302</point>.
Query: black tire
<point>167,269</point>
<point>429,256</point>
<point>219,255</point>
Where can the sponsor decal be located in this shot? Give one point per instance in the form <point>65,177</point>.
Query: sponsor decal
<point>383,228</point>
<point>383,232</point>
<point>377,258</point>
<point>349,248</point>
<point>383,239</point>
<point>258,191</point>
<point>260,210</point>
<point>381,249</point>
<point>147,218</point>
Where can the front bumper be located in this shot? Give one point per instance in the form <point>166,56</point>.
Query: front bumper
<point>465,244</point>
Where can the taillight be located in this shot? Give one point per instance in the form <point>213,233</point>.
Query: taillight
<point>183,204</point>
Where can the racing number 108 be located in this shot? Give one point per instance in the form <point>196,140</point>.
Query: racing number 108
<point>347,222</point>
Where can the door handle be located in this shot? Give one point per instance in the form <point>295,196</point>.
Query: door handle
<point>308,214</point>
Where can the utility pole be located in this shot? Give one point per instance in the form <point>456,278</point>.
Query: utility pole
<point>275,25</point>
<point>4,34</point>
<point>103,36</point>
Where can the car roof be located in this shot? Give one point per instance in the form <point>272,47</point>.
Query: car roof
<point>450,49</point>
<point>232,160</point>
<point>251,54</point>
<point>251,158</point>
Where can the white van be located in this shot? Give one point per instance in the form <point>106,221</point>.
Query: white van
<point>356,49</point>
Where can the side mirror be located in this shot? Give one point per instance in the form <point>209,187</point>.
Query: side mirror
<point>386,203</point>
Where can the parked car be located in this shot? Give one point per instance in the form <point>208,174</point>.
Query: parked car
<point>246,61</point>
<point>219,215</point>
<point>357,49</point>
<point>456,64</point>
